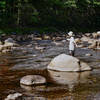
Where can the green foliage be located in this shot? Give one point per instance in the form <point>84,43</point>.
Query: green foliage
<point>70,3</point>
<point>49,15</point>
<point>1,32</point>
<point>2,4</point>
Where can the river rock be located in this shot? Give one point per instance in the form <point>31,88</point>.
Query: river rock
<point>96,35</point>
<point>32,80</point>
<point>57,43</point>
<point>88,54</point>
<point>9,40</point>
<point>10,43</point>
<point>6,51</point>
<point>65,62</point>
<point>93,45</point>
<point>77,40</point>
<point>13,96</point>
<point>88,34</point>
<point>46,37</point>
<point>85,39</point>
<point>1,47</point>
<point>1,43</point>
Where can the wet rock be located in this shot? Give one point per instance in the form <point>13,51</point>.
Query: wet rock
<point>37,38</point>
<point>88,54</point>
<point>10,43</point>
<point>9,40</point>
<point>33,80</point>
<point>88,34</point>
<point>39,48</point>
<point>18,38</point>
<point>98,33</point>
<point>91,40</point>
<point>94,45</point>
<point>64,41</point>
<point>95,35</point>
<point>46,37</point>
<point>84,38</point>
<point>6,51</point>
<point>77,40</point>
<point>30,45</point>
<point>65,62</point>
<point>58,38</point>
<point>1,43</point>
<point>1,47</point>
<point>81,46</point>
<point>13,96</point>
<point>57,43</point>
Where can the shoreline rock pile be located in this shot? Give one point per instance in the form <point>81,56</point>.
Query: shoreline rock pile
<point>8,45</point>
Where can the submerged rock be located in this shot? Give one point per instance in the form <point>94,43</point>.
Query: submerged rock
<point>33,80</point>
<point>13,96</point>
<point>65,62</point>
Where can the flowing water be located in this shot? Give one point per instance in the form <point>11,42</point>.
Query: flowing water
<point>26,60</point>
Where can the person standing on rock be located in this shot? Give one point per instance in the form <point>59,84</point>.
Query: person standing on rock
<point>72,44</point>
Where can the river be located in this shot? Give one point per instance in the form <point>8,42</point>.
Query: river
<point>27,60</point>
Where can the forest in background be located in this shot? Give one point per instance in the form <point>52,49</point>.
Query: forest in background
<point>24,16</point>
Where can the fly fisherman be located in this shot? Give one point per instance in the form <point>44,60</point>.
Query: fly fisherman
<point>72,44</point>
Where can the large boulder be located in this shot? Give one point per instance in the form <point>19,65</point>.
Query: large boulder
<point>32,80</point>
<point>65,62</point>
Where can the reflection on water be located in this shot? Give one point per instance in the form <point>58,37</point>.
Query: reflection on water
<point>66,78</point>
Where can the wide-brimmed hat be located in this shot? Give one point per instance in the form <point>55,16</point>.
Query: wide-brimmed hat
<point>70,33</point>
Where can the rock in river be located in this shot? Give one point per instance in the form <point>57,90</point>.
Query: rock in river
<point>33,80</point>
<point>10,42</point>
<point>65,62</point>
<point>13,96</point>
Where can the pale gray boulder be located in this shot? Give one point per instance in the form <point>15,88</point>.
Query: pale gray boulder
<point>65,62</point>
<point>32,80</point>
